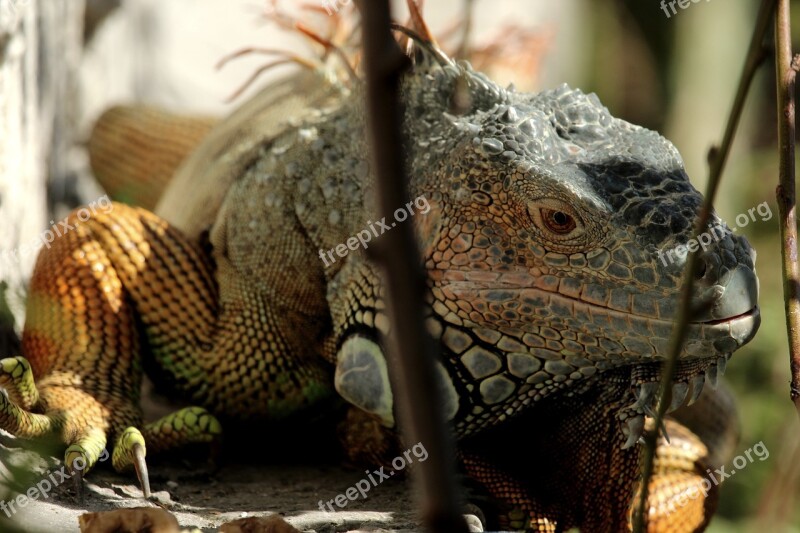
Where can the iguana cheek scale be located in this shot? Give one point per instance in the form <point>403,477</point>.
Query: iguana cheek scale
<point>546,294</point>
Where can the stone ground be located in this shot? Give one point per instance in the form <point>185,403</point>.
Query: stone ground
<point>257,471</point>
<point>204,497</point>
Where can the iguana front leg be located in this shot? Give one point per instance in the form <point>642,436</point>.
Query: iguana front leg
<point>535,497</point>
<point>558,467</point>
<point>565,466</point>
<point>83,338</point>
<point>124,291</point>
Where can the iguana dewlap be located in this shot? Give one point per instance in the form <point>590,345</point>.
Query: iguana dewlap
<point>541,224</point>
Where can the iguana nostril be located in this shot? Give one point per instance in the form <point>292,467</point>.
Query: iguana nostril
<point>700,269</point>
<point>728,296</point>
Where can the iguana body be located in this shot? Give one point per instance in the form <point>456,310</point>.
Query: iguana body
<point>540,238</point>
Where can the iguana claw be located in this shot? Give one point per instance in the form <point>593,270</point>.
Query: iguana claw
<point>140,465</point>
<point>635,428</point>
<point>77,484</point>
<point>697,387</point>
<point>130,451</point>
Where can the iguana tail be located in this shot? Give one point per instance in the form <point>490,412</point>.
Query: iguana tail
<point>134,151</point>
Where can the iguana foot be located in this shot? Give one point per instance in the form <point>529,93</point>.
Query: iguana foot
<point>62,412</point>
<point>84,426</point>
<point>178,429</point>
<point>16,377</point>
<point>187,426</point>
<point>20,421</point>
<point>79,382</point>
<point>511,506</point>
<point>81,457</point>
<point>130,451</point>
<point>86,446</point>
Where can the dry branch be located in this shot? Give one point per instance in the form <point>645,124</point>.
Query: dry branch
<point>785,72</point>
<point>411,349</point>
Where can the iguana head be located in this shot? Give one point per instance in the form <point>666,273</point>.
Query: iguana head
<point>551,246</point>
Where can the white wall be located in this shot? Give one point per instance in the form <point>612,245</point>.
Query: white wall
<point>164,52</point>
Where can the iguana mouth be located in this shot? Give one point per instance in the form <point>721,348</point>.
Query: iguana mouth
<point>652,334</point>
<point>752,314</point>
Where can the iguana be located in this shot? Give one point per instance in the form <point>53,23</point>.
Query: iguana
<point>540,218</point>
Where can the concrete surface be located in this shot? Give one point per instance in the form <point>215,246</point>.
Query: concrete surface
<point>201,497</point>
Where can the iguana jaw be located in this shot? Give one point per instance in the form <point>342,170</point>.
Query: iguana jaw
<point>543,341</point>
<point>631,338</point>
<point>641,400</point>
<point>690,378</point>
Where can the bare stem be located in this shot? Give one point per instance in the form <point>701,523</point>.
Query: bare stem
<point>785,72</point>
<point>718,157</point>
<point>469,18</point>
<point>411,349</point>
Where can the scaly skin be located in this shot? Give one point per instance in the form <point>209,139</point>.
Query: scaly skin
<point>136,152</point>
<point>541,234</point>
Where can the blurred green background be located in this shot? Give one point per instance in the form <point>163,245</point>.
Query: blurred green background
<point>679,75</point>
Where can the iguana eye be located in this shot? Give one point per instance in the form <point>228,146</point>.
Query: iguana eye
<point>558,221</point>
<point>558,226</point>
<point>555,219</point>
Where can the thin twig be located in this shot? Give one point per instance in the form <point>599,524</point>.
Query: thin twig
<point>785,73</point>
<point>718,156</point>
<point>330,46</point>
<point>278,62</point>
<point>466,36</point>
<point>250,50</point>
<point>411,349</point>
